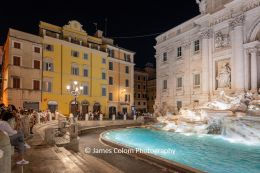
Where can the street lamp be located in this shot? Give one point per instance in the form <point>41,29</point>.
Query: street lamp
<point>75,90</point>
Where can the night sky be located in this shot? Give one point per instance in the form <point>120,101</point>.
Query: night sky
<point>125,18</point>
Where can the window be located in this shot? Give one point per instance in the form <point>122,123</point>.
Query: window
<point>110,96</point>
<point>144,103</point>
<point>36,85</point>
<point>139,96</point>
<point>16,61</point>
<point>164,84</point>
<point>104,75</point>
<point>74,70</point>
<point>47,86</point>
<point>144,78</point>
<point>138,77</point>
<point>179,82</point>
<point>110,52</point>
<point>16,82</point>
<point>85,72</point>
<point>85,90</point>
<point>37,50</point>
<point>104,91</point>
<point>179,52</point>
<point>111,66</point>
<point>104,61</point>
<point>74,53</point>
<point>196,79</point>
<point>126,83</point>
<point>127,97</point>
<point>139,86</point>
<point>85,56</point>
<point>196,45</point>
<point>48,66</point>
<point>36,64</point>
<point>17,45</point>
<point>164,56</point>
<point>126,69</point>
<point>49,47</point>
<point>125,56</point>
<point>139,103</point>
<point>144,87</point>
<point>110,81</point>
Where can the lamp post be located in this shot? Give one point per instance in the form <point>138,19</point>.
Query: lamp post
<point>75,90</point>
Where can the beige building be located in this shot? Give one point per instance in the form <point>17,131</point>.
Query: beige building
<point>120,79</point>
<point>21,70</point>
<point>145,88</point>
<point>151,86</point>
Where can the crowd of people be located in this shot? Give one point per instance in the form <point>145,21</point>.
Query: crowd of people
<point>18,125</point>
<point>11,123</point>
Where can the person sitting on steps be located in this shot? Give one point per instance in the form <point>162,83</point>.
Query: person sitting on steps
<point>16,137</point>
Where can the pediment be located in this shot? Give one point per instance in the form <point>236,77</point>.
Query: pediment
<point>74,26</point>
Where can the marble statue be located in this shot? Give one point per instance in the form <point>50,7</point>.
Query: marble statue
<point>202,5</point>
<point>224,76</point>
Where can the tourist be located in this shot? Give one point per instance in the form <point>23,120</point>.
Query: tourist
<point>32,117</point>
<point>16,138</point>
<point>91,115</point>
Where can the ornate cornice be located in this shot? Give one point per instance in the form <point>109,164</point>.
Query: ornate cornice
<point>207,34</point>
<point>252,50</point>
<point>237,21</point>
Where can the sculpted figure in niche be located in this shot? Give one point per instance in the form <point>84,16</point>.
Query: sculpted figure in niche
<point>224,76</point>
<point>202,5</point>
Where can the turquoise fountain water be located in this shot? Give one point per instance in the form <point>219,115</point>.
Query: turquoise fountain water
<point>210,153</point>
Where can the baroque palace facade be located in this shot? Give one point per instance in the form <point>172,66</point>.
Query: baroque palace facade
<point>215,51</point>
<point>37,70</point>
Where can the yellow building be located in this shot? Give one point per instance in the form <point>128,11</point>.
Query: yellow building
<point>70,54</point>
<point>38,69</point>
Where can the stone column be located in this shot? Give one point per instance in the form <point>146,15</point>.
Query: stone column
<point>187,81</point>
<point>205,35</point>
<point>253,71</point>
<point>247,72</point>
<point>236,26</point>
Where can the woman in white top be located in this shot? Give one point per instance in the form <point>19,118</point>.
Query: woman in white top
<point>16,137</point>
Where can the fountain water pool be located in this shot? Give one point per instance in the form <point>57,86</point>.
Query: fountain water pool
<point>211,153</point>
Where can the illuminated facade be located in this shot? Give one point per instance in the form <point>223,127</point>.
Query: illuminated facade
<point>69,54</point>
<point>214,51</point>
<point>21,71</point>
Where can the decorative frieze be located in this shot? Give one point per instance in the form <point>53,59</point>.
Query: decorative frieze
<point>252,50</point>
<point>221,40</point>
<point>207,34</point>
<point>251,4</point>
<point>237,21</point>
<point>221,19</point>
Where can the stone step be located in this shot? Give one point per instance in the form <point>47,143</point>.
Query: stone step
<point>68,162</point>
<point>78,160</point>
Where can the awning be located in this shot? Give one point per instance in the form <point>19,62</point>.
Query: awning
<point>52,103</point>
